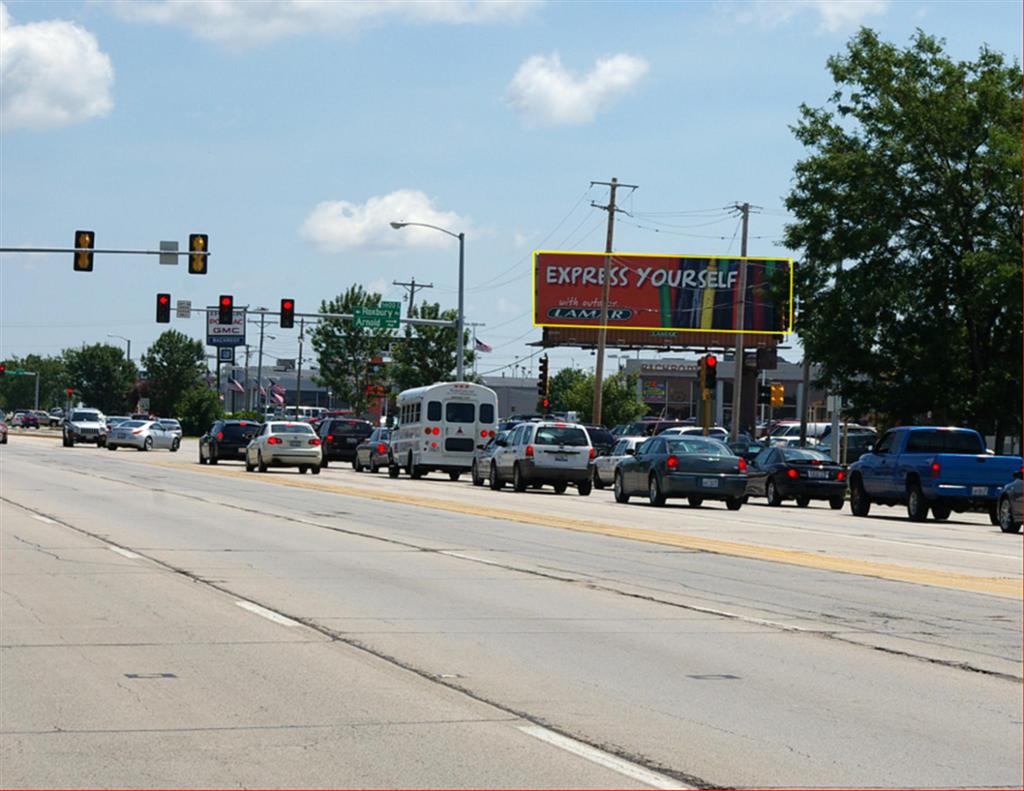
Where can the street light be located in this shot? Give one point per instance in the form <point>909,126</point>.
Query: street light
<point>460,344</point>
<point>128,353</point>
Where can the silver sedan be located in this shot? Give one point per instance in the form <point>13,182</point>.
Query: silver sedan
<point>142,435</point>
<point>282,443</point>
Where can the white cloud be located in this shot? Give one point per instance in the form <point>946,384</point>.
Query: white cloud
<point>52,73</point>
<point>339,225</point>
<point>543,92</point>
<point>833,15</point>
<point>241,22</point>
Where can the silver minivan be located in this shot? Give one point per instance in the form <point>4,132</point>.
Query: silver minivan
<point>542,453</point>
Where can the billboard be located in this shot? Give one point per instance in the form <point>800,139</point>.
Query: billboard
<point>662,292</point>
<point>218,334</point>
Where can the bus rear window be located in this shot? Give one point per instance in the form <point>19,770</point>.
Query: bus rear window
<point>487,413</point>
<point>433,410</point>
<point>458,412</point>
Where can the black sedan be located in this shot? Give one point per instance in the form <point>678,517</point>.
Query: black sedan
<point>340,436</point>
<point>697,468</point>
<point>227,440</point>
<point>374,452</point>
<point>796,473</point>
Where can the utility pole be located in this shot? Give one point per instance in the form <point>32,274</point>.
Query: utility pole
<point>298,375</point>
<point>248,394</point>
<point>741,318</point>
<point>602,331</point>
<point>259,368</point>
<point>412,287</point>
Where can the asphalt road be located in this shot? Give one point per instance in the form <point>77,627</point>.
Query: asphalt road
<point>167,624</point>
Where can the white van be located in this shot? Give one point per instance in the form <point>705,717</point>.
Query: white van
<point>440,427</point>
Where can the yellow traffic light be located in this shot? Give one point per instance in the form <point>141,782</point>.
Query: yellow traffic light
<point>778,394</point>
<point>198,250</point>
<point>84,243</point>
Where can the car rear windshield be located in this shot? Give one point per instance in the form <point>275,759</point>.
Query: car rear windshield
<point>459,412</point>
<point>86,416</point>
<point>351,428</point>
<point>132,423</point>
<point>239,430</point>
<point>944,442</point>
<point>708,447</point>
<point>291,428</point>
<point>601,436</point>
<point>799,454</point>
<point>555,435</point>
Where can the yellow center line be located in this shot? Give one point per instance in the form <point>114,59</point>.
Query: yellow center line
<point>999,586</point>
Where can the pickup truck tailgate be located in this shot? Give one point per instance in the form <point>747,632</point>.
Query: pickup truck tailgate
<point>981,471</point>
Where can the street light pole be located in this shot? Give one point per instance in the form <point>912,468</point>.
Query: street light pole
<point>128,341</point>
<point>460,324</point>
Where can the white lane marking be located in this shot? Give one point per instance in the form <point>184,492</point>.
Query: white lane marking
<point>602,758</point>
<point>460,556</point>
<point>42,519</point>
<point>125,553</point>
<point>270,615</point>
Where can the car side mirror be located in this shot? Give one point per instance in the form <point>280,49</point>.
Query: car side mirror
<point>631,451</point>
<point>1018,474</point>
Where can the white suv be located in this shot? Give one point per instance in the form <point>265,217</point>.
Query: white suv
<point>544,452</point>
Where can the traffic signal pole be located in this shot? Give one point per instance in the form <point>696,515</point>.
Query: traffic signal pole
<point>741,318</point>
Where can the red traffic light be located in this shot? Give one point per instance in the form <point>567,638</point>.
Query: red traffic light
<point>70,391</point>
<point>3,368</point>
<point>164,299</point>
<point>163,308</point>
<point>225,301</point>
<point>226,311</point>
<point>712,361</point>
<point>287,304</point>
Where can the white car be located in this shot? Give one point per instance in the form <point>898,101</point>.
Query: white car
<point>715,432</point>
<point>604,466</point>
<point>543,452</point>
<point>282,443</point>
<point>142,435</point>
<point>85,425</point>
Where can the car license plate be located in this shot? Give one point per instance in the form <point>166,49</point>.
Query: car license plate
<point>561,458</point>
<point>709,483</point>
<point>295,443</point>
<point>979,491</point>
<point>817,474</point>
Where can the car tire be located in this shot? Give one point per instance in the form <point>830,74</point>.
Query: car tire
<point>324,464</point>
<point>1005,513</point>
<point>993,514</point>
<point>598,483</point>
<point>213,458</point>
<point>454,476</point>
<point>695,502</point>
<point>393,470</point>
<point>356,464</point>
<point>619,488</point>
<point>771,491</point>
<point>201,459</point>
<point>583,488</point>
<point>111,447</point>
<point>495,479</point>
<point>474,475</point>
<point>147,444</point>
<point>803,502</point>
<point>175,445</point>
<point>836,503</point>
<point>559,487</point>
<point>260,465</point>
<point>734,503</point>
<point>860,504</point>
<point>941,511</point>
<point>373,468</point>
<point>654,493</point>
<point>314,469</point>
<point>519,482</point>
<point>302,469</point>
<point>917,505</point>
<point>248,467</point>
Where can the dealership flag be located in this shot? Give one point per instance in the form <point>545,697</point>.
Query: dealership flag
<point>483,347</point>
<point>279,398</point>
<point>235,385</point>
<point>276,389</point>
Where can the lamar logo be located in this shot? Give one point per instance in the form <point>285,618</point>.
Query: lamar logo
<point>614,314</point>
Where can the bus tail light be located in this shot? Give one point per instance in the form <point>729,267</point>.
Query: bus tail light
<point>427,431</point>
<point>435,431</point>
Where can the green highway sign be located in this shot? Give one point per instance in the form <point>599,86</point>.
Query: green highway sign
<point>383,317</point>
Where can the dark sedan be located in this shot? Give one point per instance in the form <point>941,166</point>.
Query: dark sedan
<point>373,452</point>
<point>340,436</point>
<point>796,473</point>
<point>697,468</point>
<point>227,440</point>
<point>602,439</point>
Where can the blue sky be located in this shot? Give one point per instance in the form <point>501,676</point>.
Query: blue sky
<point>292,134</point>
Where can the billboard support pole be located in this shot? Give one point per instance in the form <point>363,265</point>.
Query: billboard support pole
<point>602,331</point>
<point>741,317</point>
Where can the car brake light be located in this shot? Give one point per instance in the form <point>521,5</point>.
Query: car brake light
<point>273,440</point>
<point>792,473</point>
<point>743,465</point>
<point>330,438</point>
<point>220,435</point>
<point>315,441</point>
<point>382,448</point>
<point>672,462</point>
<point>935,469</point>
<point>529,451</point>
<point>137,431</point>
<point>593,453</point>
<point>840,476</point>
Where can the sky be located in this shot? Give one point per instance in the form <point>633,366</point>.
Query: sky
<point>293,133</point>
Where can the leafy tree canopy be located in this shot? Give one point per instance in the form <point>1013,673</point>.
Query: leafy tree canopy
<point>173,364</point>
<point>424,355</point>
<point>908,216</point>
<point>101,376</point>
<point>572,390</point>
<point>18,392</point>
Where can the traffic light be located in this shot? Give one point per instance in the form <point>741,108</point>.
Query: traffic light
<point>84,243</point>
<point>3,369</point>
<point>163,308</point>
<point>710,371</point>
<point>226,309</point>
<point>778,394</point>
<point>542,377</point>
<point>287,313</point>
<point>198,249</point>
<point>764,394</point>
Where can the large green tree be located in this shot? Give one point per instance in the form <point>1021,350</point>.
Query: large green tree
<point>344,351</point>
<point>18,392</point>
<point>908,216</point>
<point>423,354</point>
<point>101,376</point>
<point>174,364</point>
<point>619,400</point>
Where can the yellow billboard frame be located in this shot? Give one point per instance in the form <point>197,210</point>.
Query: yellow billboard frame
<point>786,331</point>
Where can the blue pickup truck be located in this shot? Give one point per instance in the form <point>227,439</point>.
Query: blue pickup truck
<point>930,468</point>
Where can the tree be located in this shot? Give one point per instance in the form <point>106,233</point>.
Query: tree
<point>18,392</point>
<point>344,350</point>
<point>619,400</point>
<point>174,364</point>
<point>908,214</point>
<point>101,376</point>
<point>424,354</point>
<point>197,409</point>
<point>564,384</point>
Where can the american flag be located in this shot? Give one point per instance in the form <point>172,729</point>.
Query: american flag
<point>279,398</point>
<point>276,389</point>
<point>480,346</point>
<point>234,384</point>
